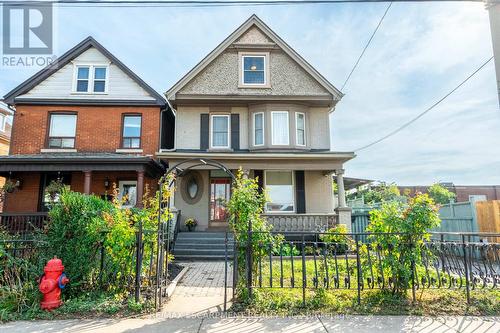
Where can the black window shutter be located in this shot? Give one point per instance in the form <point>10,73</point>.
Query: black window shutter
<point>300,192</point>
<point>260,180</point>
<point>235,131</point>
<point>204,136</point>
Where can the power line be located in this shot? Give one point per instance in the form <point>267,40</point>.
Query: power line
<point>205,3</point>
<point>366,46</point>
<point>427,110</point>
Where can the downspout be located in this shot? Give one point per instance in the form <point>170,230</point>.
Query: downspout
<point>174,113</point>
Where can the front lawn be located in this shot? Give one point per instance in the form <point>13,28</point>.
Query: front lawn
<point>288,301</point>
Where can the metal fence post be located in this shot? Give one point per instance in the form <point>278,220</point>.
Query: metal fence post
<point>304,276</point>
<point>466,268</point>
<point>138,263</point>
<point>225,271</point>
<point>412,245</point>
<point>358,266</point>
<point>249,258</point>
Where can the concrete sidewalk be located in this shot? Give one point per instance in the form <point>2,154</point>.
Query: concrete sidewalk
<point>371,324</point>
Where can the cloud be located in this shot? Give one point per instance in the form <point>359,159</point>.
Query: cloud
<point>421,52</point>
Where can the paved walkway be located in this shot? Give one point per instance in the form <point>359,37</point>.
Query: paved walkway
<point>369,324</point>
<point>200,291</point>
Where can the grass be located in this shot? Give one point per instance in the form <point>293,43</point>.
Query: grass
<point>88,305</point>
<point>288,301</point>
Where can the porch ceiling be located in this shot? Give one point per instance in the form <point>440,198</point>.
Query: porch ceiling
<point>79,162</point>
<point>325,161</point>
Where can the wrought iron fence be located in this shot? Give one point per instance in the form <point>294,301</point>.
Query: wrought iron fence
<point>364,261</point>
<point>143,272</point>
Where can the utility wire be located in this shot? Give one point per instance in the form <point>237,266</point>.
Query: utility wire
<point>204,3</point>
<point>427,110</point>
<point>366,46</point>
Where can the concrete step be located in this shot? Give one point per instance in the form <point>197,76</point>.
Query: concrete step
<point>201,257</point>
<point>195,246</point>
<point>203,235</point>
<point>184,251</point>
<point>214,241</point>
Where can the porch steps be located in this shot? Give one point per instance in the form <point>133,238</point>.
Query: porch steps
<point>203,245</point>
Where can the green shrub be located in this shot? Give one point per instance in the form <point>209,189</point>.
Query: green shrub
<point>337,240</point>
<point>399,234</point>
<point>440,194</point>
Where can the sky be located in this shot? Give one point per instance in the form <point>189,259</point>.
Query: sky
<point>420,53</point>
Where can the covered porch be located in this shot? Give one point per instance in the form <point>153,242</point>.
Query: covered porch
<point>98,174</point>
<point>299,186</point>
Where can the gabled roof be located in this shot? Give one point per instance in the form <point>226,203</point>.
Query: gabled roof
<point>77,50</point>
<point>254,20</point>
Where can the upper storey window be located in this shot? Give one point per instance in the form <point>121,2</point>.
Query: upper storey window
<point>62,131</point>
<point>254,70</point>
<point>300,125</point>
<point>280,128</point>
<point>132,131</point>
<point>220,131</point>
<point>3,122</point>
<point>91,79</point>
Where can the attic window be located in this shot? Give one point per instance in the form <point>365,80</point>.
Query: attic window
<point>254,70</point>
<point>91,79</point>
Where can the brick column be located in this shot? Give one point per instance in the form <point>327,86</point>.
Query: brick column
<point>87,179</point>
<point>140,188</point>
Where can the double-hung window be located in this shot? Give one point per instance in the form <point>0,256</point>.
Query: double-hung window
<point>220,131</point>
<point>258,129</point>
<point>280,189</point>
<point>131,131</point>
<point>280,128</point>
<point>91,79</point>
<point>62,131</point>
<point>254,70</point>
<point>300,127</point>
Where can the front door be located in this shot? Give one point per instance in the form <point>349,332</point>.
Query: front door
<point>220,192</point>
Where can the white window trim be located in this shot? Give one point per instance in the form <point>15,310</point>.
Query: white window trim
<point>297,129</point>
<point>272,129</point>
<point>242,56</point>
<point>3,122</point>
<point>120,188</point>
<point>228,131</point>
<point>263,130</point>
<point>293,193</point>
<point>90,79</point>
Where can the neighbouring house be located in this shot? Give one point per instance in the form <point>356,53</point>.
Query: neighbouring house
<point>5,130</point>
<point>463,193</point>
<point>255,103</point>
<point>88,121</point>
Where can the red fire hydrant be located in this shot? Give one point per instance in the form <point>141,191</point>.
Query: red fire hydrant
<point>51,283</point>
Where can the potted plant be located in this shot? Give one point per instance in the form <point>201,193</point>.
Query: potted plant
<point>190,223</point>
<point>10,186</point>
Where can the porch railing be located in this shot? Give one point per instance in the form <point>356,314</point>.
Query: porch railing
<point>23,223</point>
<point>301,222</point>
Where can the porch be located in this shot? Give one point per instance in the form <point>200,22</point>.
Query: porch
<point>97,173</point>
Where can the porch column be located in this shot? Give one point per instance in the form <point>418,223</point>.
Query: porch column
<point>140,188</point>
<point>343,212</point>
<point>87,179</point>
<point>340,186</point>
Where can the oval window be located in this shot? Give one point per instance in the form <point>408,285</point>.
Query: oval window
<point>192,188</point>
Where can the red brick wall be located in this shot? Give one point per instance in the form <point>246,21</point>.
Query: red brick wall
<point>492,192</point>
<point>26,199</point>
<point>98,128</point>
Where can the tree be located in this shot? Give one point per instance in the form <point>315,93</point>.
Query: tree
<point>381,193</point>
<point>440,194</point>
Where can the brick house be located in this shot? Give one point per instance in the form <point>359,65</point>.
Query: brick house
<point>88,121</point>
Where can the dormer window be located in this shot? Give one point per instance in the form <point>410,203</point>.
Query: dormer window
<point>254,70</point>
<point>91,79</point>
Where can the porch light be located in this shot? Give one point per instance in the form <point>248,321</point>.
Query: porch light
<point>18,183</point>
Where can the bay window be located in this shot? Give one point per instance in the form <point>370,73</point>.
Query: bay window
<point>280,189</point>
<point>280,128</point>
<point>300,127</point>
<point>219,131</point>
<point>258,128</point>
<point>62,131</point>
